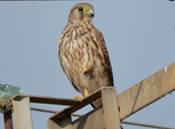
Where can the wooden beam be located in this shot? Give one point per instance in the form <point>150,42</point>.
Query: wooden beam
<point>68,111</point>
<point>8,123</point>
<point>110,108</point>
<point>147,91</point>
<point>108,118</point>
<point>22,113</point>
<point>135,98</point>
<point>51,100</point>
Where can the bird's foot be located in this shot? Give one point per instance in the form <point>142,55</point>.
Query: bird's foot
<point>78,98</point>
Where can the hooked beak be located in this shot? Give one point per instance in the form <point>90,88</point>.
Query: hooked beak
<point>91,13</point>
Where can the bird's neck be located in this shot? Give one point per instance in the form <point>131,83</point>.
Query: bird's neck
<point>85,21</point>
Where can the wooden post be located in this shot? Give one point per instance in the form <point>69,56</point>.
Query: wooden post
<point>22,113</point>
<point>8,123</point>
<point>110,108</point>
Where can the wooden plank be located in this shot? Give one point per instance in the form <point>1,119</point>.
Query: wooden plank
<point>135,98</point>
<point>8,123</point>
<point>147,91</point>
<point>22,113</point>
<point>62,124</point>
<point>66,112</point>
<point>110,108</point>
<point>41,100</point>
<point>51,100</point>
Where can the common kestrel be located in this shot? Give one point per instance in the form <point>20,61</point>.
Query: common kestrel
<point>83,54</point>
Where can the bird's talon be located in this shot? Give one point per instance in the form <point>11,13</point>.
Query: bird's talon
<point>78,98</point>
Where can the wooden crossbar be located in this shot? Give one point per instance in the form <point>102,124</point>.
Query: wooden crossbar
<point>147,91</point>
<point>50,100</point>
<point>84,102</point>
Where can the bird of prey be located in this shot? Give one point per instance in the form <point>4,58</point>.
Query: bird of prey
<point>83,54</point>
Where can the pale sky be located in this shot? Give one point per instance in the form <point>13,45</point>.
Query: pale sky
<point>139,34</point>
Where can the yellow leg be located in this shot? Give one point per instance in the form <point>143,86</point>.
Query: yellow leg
<point>85,92</point>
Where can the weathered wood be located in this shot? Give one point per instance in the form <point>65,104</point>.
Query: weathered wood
<point>8,123</point>
<point>61,124</point>
<point>135,98</point>
<point>110,108</point>
<point>66,112</point>
<point>147,91</point>
<point>51,100</point>
<point>22,113</point>
<point>52,111</point>
<point>96,121</point>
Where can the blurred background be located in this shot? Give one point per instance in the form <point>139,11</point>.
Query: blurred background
<point>139,35</point>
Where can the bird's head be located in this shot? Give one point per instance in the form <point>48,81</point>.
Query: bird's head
<point>81,11</point>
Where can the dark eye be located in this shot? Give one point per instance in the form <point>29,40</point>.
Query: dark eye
<point>80,9</point>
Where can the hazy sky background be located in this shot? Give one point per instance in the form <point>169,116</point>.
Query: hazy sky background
<point>139,34</point>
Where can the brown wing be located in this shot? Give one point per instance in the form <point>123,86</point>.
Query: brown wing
<point>107,62</point>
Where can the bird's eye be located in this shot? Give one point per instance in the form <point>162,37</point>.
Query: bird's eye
<point>80,9</point>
